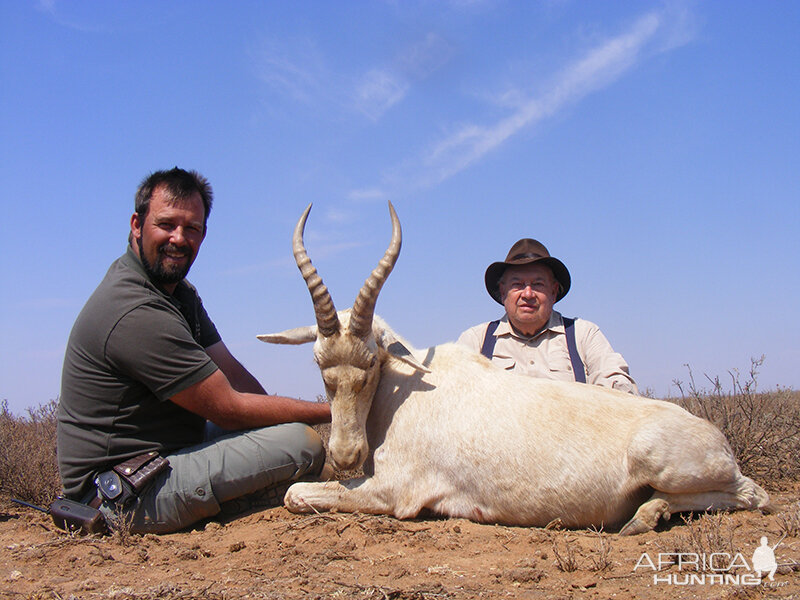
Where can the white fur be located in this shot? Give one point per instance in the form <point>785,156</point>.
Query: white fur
<point>449,432</point>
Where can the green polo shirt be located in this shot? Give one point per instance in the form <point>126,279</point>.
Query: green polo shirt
<point>132,348</point>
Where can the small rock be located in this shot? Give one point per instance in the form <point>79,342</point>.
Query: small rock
<point>187,554</point>
<point>584,581</point>
<point>87,586</point>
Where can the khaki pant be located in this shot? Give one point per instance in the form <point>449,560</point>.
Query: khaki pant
<point>201,478</point>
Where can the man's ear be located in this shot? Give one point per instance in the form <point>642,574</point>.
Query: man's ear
<point>136,226</point>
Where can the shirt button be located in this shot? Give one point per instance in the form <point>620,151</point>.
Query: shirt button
<point>200,492</point>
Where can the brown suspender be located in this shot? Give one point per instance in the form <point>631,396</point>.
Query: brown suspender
<point>489,340</point>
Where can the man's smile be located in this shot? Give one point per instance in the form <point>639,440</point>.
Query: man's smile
<point>173,253</point>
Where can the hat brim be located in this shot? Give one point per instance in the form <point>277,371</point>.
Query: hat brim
<point>496,270</point>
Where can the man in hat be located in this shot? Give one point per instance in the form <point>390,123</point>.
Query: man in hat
<point>532,338</point>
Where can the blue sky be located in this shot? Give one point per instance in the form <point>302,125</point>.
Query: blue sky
<point>654,147</point>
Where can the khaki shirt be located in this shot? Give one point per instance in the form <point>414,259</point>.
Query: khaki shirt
<point>546,355</point>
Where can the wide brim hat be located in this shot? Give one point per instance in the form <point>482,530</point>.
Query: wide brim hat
<point>525,252</point>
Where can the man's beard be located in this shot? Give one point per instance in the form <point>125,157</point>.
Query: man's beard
<point>159,272</point>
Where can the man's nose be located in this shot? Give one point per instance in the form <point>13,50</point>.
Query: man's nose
<point>527,291</point>
<point>178,236</point>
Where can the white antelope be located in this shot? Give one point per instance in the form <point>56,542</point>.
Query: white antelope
<point>444,430</point>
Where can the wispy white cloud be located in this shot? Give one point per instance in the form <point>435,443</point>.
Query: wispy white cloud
<point>337,215</point>
<point>378,92</point>
<point>366,194</point>
<point>294,68</point>
<point>51,9</point>
<point>380,89</point>
<point>298,70</point>
<point>424,57</point>
<point>597,68</point>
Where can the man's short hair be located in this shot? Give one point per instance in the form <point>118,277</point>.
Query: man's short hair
<point>179,184</point>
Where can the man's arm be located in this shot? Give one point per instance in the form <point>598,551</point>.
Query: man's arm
<point>605,366</point>
<point>214,399</point>
<point>238,376</point>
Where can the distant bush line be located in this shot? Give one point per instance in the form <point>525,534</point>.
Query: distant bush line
<point>763,429</point>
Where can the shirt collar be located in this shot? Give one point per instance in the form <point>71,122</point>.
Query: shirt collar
<point>554,324</point>
<point>133,262</point>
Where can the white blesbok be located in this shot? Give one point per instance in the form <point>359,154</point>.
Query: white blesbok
<point>444,430</point>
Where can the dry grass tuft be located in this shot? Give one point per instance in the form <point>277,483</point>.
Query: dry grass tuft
<point>571,555</point>
<point>567,556</point>
<point>706,535</point>
<point>28,467</point>
<point>120,525</point>
<point>789,521</point>
<point>600,560</point>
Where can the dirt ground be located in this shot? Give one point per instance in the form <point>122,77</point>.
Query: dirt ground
<point>277,554</point>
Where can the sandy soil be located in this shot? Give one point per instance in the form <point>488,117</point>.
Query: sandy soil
<point>276,554</point>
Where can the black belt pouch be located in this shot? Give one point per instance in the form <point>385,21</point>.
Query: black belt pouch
<point>125,481</point>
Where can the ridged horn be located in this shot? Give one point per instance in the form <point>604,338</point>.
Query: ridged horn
<point>364,306</point>
<point>327,319</point>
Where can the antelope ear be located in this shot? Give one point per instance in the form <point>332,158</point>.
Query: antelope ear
<point>299,335</point>
<point>396,348</point>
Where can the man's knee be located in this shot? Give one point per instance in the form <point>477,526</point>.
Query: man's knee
<point>301,443</point>
<point>286,451</point>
